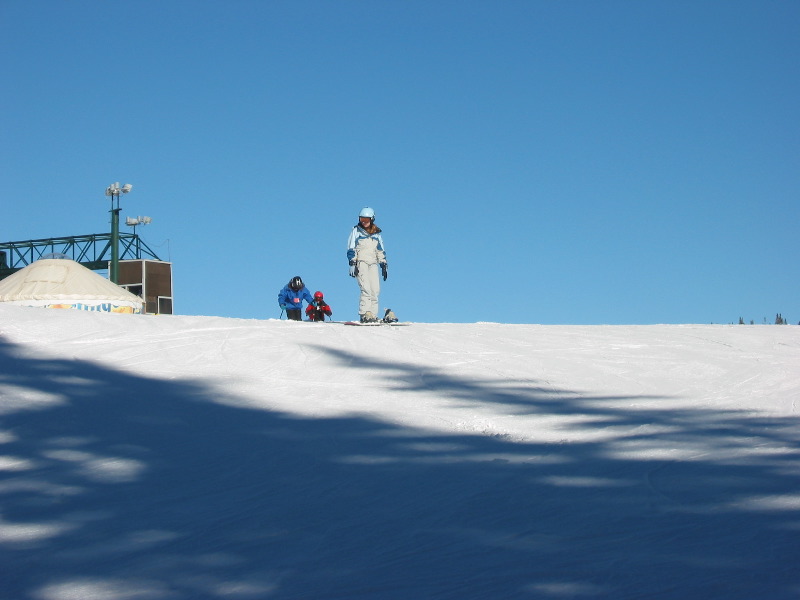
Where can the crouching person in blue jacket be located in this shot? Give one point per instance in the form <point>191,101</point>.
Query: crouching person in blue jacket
<point>291,297</point>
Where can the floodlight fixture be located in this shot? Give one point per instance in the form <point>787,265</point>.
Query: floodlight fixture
<point>115,189</point>
<point>134,221</point>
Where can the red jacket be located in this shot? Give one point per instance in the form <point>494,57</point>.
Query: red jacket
<point>317,312</point>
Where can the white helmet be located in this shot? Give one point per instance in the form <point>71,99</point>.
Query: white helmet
<point>367,212</point>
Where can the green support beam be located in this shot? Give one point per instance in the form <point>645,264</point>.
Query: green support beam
<point>94,251</point>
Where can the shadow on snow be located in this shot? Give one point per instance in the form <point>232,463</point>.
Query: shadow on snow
<point>115,486</point>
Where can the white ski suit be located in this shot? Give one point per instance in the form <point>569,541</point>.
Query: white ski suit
<point>366,249</point>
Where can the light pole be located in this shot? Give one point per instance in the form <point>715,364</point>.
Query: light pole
<point>114,191</point>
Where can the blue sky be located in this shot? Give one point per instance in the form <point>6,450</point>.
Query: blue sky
<point>529,161</point>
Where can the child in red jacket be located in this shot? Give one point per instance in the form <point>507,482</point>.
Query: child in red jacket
<point>319,308</point>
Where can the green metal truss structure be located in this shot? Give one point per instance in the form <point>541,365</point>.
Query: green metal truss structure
<point>92,251</point>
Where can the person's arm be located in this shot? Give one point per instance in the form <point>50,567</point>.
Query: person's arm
<point>382,258</point>
<point>351,252</point>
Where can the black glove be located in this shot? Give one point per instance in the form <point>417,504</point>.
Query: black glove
<point>384,270</point>
<point>353,268</point>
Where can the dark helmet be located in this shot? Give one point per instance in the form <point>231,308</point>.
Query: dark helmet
<point>296,283</point>
<point>318,296</point>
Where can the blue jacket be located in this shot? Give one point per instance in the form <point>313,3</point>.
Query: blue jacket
<point>365,246</point>
<point>288,298</point>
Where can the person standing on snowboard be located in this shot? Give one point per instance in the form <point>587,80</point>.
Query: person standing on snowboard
<point>367,260</point>
<point>291,297</point>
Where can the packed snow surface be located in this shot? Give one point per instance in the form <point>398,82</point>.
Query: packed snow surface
<point>183,458</point>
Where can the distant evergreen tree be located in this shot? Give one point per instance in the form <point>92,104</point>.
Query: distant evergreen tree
<point>741,321</point>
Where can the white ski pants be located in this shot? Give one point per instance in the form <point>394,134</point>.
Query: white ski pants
<point>370,283</point>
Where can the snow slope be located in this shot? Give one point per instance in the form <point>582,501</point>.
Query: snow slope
<point>156,458</point>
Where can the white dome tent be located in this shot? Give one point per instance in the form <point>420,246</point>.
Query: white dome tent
<point>64,283</point>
